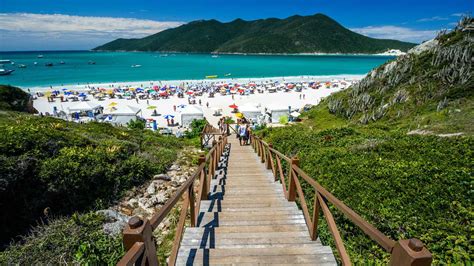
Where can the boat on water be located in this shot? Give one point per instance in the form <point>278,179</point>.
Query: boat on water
<point>136,66</point>
<point>5,61</point>
<point>49,64</point>
<point>4,72</point>
<point>215,56</point>
<point>21,66</point>
<point>91,63</point>
<point>228,74</point>
<point>62,62</point>
<point>163,55</point>
<point>40,56</point>
<point>211,77</point>
<point>35,63</point>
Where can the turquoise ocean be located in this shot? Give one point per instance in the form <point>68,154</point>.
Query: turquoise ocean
<point>116,66</point>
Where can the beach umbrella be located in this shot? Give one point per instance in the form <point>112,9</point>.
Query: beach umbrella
<point>181,106</point>
<point>151,107</point>
<point>239,115</point>
<point>112,104</point>
<point>233,106</point>
<point>82,94</point>
<point>168,116</point>
<point>190,92</point>
<point>163,89</point>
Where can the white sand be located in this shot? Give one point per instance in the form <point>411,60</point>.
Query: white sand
<point>165,106</point>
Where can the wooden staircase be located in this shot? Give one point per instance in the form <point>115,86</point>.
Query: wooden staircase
<point>247,219</point>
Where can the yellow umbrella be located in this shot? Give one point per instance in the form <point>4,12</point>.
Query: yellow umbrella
<point>110,91</point>
<point>112,104</point>
<point>239,115</point>
<point>151,107</point>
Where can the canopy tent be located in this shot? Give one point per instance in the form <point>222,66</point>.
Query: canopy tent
<point>121,115</point>
<point>277,111</point>
<point>250,111</point>
<point>122,110</point>
<point>84,107</point>
<point>189,113</point>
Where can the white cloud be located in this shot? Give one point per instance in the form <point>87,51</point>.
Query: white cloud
<point>436,18</point>
<point>397,33</point>
<point>19,31</point>
<point>457,14</point>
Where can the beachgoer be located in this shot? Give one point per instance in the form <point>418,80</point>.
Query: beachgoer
<point>199,101</point>
<point>174,108</point>
<point>207,104</point>
<point>242,134</point>
<point>237,132</point>
<point>172,121</point>
<point>247,135</point>
<point>304,96</point>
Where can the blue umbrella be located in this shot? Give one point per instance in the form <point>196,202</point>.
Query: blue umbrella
<point>181,106</point>
<point>168,116</point>
<point>163,89</point>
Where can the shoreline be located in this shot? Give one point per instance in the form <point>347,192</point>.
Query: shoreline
<point>145,83</point>
<point>240,53</point>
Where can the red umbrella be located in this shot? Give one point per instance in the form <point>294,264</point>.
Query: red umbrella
<point>233,106</point>
<point>190,92</point>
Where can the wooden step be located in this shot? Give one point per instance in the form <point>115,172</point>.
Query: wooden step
<point>321,256</point>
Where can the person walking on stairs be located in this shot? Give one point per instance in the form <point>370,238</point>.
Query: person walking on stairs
<point>243,135</point>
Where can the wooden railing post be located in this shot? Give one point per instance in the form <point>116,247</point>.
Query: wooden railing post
<point>139,230</point>
<point>314,228</point>
<point>292,177</point>
<point>411,253</point>
<point>192,206</point>
<point>269,161</point>
<point>205,190</point>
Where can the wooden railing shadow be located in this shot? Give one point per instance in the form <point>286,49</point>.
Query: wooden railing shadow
<point>287,171</point>
<point>137,235</point>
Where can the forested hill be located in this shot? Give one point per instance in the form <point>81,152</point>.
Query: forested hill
<point>296,34</point>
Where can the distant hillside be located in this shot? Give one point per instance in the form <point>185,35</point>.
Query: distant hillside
<point>431,87</point>
<point>296,34</point>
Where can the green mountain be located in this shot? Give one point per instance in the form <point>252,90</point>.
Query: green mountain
<point>296,34</point>
<point>397,149</point>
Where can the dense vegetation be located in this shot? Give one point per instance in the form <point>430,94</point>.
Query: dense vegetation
<point>379,147</point>
<point>51,169</point>
<point>296,34</point>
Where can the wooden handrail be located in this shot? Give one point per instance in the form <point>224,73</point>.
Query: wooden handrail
<point>403,252</point>
<point>140,230</point>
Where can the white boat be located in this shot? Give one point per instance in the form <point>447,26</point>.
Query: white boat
<point>215,56</point>
<point>4,72</point>
<point>40,56</point>
<point>5,61</point>
<point>21,66</point>
<point>136,65</point>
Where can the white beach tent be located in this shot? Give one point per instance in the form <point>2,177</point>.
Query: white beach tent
<point>250,111</point>
<point>277,111</point>
<point>84,107</point>
<point>121,115</point>
<point>189,113</point>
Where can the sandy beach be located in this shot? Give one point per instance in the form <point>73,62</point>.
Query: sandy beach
<point>166,106</point>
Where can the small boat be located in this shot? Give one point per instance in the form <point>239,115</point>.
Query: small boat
<point>91,63</point>
<point>163,55</point>
<point>35,63</point>
<point>136,65</point>
<point>49,64</point>
<point>215,56</point>
<point>228,74</point>
<point>4,72</point>
<point>40,56</point>
<point>5,61</point>
<point>62,63</point>
<point>21,66</point>
<point>211,77</point>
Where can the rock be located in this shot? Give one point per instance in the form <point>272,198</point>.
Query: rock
<point>175,167</point>
<point>115,222</point>
<point>174,184</point>
<point>151,189</point>
<point>112,216</point>
<point>132,203</point>
<point>162,177</point>
<point>114,229</point>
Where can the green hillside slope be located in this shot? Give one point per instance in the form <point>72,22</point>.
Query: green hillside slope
<point>296,34</point>
<point>397,149</point>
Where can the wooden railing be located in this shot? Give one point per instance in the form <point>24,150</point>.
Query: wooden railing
<point>403,252</point>
<point>137,235</point>
<point>209,134</point>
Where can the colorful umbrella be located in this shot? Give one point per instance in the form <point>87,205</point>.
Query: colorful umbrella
<point>112,104</point>
<point>151,107</point>
<point>168,116</point>
<point>233,106</point>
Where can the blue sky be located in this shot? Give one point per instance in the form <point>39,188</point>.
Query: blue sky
<point>84,24</point>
